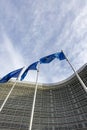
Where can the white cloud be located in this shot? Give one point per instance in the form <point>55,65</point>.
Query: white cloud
<point>80,23</point>
<point>40,28</point>
<point>10,57</point>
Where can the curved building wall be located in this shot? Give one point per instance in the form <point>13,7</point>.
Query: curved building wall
<point>58,106</point>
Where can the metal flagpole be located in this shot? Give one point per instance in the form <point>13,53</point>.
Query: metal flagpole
<point>34,99</point>
<point>80,80</point>
<point>9,92</point>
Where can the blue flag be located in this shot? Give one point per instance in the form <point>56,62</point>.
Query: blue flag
<point>47,59</point>
<point>30,67</point>
<point>14,74</point>
<point>60,55</point>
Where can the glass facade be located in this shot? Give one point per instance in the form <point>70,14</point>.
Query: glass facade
<point>58,107</point>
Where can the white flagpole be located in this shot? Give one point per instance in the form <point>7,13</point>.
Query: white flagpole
<point>9,92</point>
<point>80,80</point>
<point>34,99</point>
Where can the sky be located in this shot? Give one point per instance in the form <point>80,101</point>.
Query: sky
<point>30,30</point>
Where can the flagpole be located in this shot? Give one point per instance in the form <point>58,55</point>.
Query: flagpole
<point>34,99</point>
<point>9,92</point>
<point>77,75</point>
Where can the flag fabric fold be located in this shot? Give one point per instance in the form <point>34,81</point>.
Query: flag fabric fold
<point>30,67</point>
<point>60,55</point>
<point>47,59</point>
<point>13,74</point>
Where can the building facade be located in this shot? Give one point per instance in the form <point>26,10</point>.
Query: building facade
<point>60,106</point>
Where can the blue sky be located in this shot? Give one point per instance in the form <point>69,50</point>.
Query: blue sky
<point>30,30</point>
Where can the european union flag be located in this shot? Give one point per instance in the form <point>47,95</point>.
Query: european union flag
<point>14,74</point>
<point>31,67</point>
<point>60,55</point>
<point>47,59</point>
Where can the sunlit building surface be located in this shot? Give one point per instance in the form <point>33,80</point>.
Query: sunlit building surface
<point>60,106</point>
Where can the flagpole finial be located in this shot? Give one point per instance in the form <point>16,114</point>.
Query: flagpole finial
<point>37,70</point>
<point>61,50</point>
